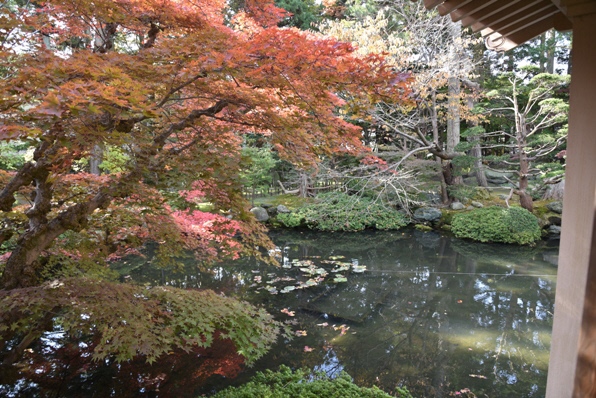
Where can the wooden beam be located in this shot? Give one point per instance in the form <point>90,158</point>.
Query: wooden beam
<point>523,19</point>
<point>483,21</point>
<point>562,23</point>
<point>430,4</point>
<point>451,5</point>
<point>470,8</point>
<point>487,12</point>
<point>527,32</point>
<point>576,8</point>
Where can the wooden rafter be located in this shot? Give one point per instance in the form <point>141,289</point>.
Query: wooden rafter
<point>509,23</point>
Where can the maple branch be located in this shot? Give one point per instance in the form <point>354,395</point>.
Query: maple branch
<point>22,265</point>
<point>192,116</point>
<point>25,176</point>
<point>151,35</point>
<point>314,112</point>
<point>105,38</point>
<point>180,87</point>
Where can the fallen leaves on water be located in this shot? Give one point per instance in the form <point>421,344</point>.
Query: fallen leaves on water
<point>288,312</point>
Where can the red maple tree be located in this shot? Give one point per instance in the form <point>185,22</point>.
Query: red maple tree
<point>173,85</point>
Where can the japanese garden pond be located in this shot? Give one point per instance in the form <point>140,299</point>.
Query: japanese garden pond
<point>438,315</point>
<point>427,311</point>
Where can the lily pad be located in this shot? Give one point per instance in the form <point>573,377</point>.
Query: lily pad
<point>359,268</point>
<point>287,289</point>
<point>341,267</point>
<point>309,270</point>
<point>336,257</point>
<point>340,278</point>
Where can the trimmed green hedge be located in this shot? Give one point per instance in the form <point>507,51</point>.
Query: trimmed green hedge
<point>336,211</point>
<point>302,384</point>
<point>497,224</point>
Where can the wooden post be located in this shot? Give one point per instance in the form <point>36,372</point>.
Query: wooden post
<point>572,369</point>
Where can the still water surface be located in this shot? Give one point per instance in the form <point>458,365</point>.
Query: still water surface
<point>433,313</point>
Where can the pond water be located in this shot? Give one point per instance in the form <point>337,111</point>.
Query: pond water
<point>436,314</point>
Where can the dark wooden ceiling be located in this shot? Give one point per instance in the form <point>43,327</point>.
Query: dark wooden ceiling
<point>509,23</point>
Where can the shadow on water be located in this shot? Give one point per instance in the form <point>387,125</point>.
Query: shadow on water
<point>433,313</point>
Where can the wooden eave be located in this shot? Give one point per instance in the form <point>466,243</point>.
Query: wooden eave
<point>506,24</point>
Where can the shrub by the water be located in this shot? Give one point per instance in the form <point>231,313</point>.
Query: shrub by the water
<point>497,224</point>
<point>336,211</point>
<point>301,383</point>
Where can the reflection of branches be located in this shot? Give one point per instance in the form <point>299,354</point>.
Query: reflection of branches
<point>502,342</point>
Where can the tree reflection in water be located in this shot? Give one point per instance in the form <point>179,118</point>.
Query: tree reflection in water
<point>432,313</point>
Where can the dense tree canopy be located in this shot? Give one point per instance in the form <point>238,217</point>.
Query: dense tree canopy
<point>164,91</point>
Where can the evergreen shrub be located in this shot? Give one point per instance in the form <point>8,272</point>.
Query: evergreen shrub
<point>301,383</point>
<point>337,211</point>
<point>497,224</point>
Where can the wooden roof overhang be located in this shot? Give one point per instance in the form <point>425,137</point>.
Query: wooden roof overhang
<point>505,24</point>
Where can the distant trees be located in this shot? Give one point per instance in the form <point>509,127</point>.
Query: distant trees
<point>532,116</point>
<point>439,55</point>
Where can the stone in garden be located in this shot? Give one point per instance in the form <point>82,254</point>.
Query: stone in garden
<point>272,211</point>
<point>282,209</point>
<point>432,198</point>
<point>555,207</point>
<point>497,178</point>
<point>554,230</point>
<point>477,204</point>
<point>457,206</point>
<point>260,213</point>
<point>427,214</point>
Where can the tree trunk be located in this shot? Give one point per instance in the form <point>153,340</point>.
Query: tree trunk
<point>542,53</point>
<point>525,200</point>
<point>453,118</point>
<point>23,265</point>
<point>305,186</point>
<point>95,160</point>
<point>435,125</point>
<point>476,152</point>
<point>453,125</point>
<point>550,51</point>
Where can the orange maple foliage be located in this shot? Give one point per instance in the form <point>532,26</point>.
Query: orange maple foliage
<point>174,86</point>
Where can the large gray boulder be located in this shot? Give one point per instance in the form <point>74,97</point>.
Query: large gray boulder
<point>260,213</point>
<point>457,206</point>
<point>428,214</point>
<point>555,207</point>
<point>497,178</point>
